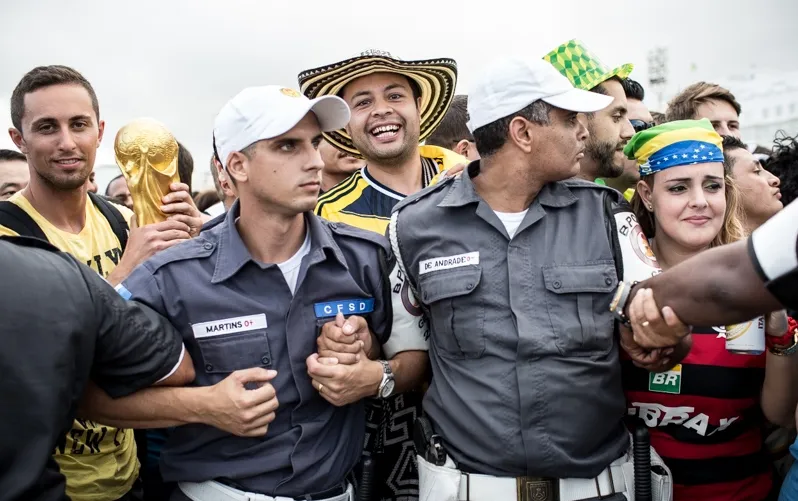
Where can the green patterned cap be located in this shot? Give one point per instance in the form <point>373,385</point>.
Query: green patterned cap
<point>582,67</point>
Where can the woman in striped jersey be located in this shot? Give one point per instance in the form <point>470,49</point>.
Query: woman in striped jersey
<point>706,414</point>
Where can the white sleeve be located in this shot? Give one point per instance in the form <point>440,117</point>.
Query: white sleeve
<point>774,243</point>
<point>410,330</point>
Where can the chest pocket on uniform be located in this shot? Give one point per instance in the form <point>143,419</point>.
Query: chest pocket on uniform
<point>457,314</point>
<point>578,304</point>
<point>232,352</point>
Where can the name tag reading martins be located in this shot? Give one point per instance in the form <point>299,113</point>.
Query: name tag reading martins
<point>445,263</point>
<point>229,326</point>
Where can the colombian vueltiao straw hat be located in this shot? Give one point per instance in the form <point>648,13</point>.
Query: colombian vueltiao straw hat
<point>582,67</point>
<point>436,79</point>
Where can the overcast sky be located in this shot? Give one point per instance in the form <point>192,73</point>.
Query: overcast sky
<point>180,60</point>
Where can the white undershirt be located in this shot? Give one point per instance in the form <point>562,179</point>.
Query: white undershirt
<point>290,268</point>
<point>511,220</point>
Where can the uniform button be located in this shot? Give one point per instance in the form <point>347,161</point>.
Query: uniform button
<point>207,246</point>
<point>208,367</point>
<point>557,284</point>
<point>470,286</point>
<point>608,281</point>
<point>265,360</point>
<point>333,225</point>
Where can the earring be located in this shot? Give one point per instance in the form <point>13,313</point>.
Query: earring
<point>651,208</point>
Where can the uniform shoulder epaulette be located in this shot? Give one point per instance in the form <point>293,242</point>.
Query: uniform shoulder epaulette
<point>197,247</point>
<point>415,197</point>
<point>576,183</point>
<point>347,230</point>
<point>31,242</point>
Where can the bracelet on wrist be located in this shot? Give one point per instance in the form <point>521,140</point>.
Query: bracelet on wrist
<point>787,343</point>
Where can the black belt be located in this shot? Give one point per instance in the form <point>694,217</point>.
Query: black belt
<point>329,493</point>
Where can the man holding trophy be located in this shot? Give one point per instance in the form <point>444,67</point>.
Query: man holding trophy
<point>57,126</point>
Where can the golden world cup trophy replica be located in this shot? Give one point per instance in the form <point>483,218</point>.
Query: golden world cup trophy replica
<point>146,152</point>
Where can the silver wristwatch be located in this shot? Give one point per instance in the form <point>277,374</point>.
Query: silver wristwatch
<point>387,384</point>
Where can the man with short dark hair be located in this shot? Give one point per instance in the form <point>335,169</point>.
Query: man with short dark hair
<point>118,191</point>
<point>395,105</point>
<point>609,128</point>
<point>258,288</point>
<point>513,264</point>
<point>783,163</point>
<point>760,196</point>
<point>453,131</point>
<point>641,119</point>
<point>57,126</point>
<point>14,175</point>
<point>707,100</point>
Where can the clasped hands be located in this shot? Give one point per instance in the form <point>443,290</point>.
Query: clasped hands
<point>657,339</point>
<point>341,371</point>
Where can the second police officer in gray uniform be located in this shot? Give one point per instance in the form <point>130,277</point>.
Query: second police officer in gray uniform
<point>236,311</point>
<point>514,264</point>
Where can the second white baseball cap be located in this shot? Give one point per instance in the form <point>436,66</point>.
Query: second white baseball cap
<point>510,84</point>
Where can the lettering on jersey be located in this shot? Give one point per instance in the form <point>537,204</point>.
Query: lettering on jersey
<point>96,262</point>
<point>225,326</point>
<point>656,415</point>
<point>345,306</point>
<point>448,262</point>
<point>87,437</point>
<point>666,382</point>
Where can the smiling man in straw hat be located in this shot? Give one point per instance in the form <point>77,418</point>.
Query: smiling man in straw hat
<point>395,105</point>
<point>609,128</point>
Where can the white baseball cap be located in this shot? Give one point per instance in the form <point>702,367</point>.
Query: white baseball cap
<point>258,113</point>
<point>510,84</point>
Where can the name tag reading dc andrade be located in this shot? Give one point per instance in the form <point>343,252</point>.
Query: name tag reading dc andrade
<point>345,306</point>
<point>448,262</point>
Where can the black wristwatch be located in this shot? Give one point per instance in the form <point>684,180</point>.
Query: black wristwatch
<point>387,384</point>
<point>620,300</point>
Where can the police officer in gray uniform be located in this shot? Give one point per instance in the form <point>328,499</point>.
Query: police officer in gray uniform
<point>514,266</point>
<point>237,310</point>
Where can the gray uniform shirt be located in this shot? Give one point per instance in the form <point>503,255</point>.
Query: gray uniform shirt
<point>235,313</point>
<point>526,373</point>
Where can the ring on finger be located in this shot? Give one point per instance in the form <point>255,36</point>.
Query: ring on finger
<point>321,388</point>
<point>645,324</point>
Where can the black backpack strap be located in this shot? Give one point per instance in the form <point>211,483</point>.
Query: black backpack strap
<point>612,234</point>
<point>15,219</point>
<point>114,217</point>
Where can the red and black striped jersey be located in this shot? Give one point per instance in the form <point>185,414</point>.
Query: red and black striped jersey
<point>705,420</point>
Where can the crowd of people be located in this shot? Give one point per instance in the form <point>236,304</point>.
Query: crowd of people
<point>396,293</point>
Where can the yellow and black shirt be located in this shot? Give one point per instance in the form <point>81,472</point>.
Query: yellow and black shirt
<point>362,201</point>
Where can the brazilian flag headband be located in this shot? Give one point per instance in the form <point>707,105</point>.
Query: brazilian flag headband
<point>683,142</point>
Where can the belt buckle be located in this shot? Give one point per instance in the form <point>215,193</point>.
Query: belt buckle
<point>537,489</point>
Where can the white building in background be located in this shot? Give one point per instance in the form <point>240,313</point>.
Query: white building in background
<point>769,101</point>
